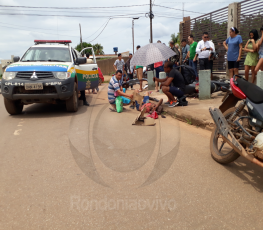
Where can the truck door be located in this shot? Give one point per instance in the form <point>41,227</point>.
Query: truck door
<point>87,74</point>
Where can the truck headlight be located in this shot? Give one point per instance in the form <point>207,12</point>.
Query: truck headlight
<point>62,75</point>
<point>9,75</point>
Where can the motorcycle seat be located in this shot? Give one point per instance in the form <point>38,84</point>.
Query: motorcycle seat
<point>252,91</point>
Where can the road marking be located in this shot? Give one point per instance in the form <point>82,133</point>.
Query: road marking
<point>16,133</point>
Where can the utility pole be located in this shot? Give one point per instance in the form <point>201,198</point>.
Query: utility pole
<point>80,36</point>
<point>133,32</point>
<point>151,17</point>
<point>133,35</point>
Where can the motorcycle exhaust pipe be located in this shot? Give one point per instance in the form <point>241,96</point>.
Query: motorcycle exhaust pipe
<point>251,158</point>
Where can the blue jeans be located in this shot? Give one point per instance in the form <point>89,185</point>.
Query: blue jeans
<point>194,66</point>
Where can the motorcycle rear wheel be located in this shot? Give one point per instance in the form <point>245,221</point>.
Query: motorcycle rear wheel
<point>228,154</point>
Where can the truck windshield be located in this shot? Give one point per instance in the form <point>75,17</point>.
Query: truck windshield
<point>55,54</point>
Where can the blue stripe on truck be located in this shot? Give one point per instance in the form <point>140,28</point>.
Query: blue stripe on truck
<point>52,68</point>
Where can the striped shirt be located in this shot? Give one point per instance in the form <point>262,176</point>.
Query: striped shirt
<point>112,88</point>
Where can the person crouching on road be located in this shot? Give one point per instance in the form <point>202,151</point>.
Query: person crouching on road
<point>114,90</point>
<point>173,85</point>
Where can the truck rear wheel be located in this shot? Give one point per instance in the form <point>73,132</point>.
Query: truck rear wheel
<point>72,102</point>
<point>13,107</point>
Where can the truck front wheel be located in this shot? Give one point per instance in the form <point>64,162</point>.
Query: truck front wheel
<point>72,102</point>
<point>13,107</point>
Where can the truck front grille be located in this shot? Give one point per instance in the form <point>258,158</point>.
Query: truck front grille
<point>46,90</point>
<point>39,74</point>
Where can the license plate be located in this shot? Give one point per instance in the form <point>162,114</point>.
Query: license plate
<point>33,86</point>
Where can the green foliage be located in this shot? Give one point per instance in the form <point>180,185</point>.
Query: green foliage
<point>84,45</point>
<point>98,48</point>
<point>188,121</point>
<point>175,39</point>
<point>217,33</point>
<point>249,22</point>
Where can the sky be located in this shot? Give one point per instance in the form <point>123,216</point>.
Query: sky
<point>19,30</point>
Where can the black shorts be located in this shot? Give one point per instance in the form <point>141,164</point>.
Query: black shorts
<point>176,91</point>
<point>233,64</point>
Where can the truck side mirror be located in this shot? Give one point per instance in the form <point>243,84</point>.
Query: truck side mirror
<point>16,59</point>
<point>81,60</point>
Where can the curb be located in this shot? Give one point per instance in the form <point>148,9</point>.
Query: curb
<point>189,119</point>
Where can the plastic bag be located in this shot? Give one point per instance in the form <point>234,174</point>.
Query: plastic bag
<point>119,104</point>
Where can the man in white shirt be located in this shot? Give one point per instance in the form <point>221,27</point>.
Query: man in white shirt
<point>203,49</point>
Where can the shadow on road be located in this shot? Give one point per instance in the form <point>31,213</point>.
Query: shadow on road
<point>48,111</point>
<point>248,172</point>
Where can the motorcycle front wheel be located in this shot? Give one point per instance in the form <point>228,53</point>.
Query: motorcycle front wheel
<point>222,152</point>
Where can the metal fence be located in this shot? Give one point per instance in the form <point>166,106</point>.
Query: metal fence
<point>250,16</point>
<point>215,23</point>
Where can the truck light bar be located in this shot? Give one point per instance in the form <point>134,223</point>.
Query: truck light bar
<point>52,41</point>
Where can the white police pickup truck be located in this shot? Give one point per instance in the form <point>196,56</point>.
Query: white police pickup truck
<point>50,71</point>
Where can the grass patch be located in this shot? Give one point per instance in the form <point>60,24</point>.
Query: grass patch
<point>106,82</point>
<point>188,121</point>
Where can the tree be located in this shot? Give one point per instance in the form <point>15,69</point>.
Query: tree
<point>98,49</point>
<point>175,39</point>
<point>84,45</point>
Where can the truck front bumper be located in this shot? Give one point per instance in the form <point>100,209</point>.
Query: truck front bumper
<point>52,89</point>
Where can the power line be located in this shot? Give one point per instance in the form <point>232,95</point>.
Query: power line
<point>38,31</point>
<point>70,8</point>
<point>96,30</point>
<point>101,31</point>
<point>78,16</point>
<point>178,9</point>
<point>31,27</point>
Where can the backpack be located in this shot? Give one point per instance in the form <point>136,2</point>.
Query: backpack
<point>188,73</point>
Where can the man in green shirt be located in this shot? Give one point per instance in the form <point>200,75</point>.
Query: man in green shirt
<point>192,55</point>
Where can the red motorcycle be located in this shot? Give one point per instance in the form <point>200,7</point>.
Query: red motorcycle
<point>239,124</point>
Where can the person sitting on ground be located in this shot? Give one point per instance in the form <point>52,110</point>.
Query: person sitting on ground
<point>173,85</point>
<point>89,61</point>
<point>114,90</point>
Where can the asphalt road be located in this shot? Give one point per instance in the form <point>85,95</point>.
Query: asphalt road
<point>95,170</point>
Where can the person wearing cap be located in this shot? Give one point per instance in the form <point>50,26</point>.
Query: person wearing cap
<point>233,45</point>
<point>174,59</point>
<point>129,69</point>
<point>139,71</point>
